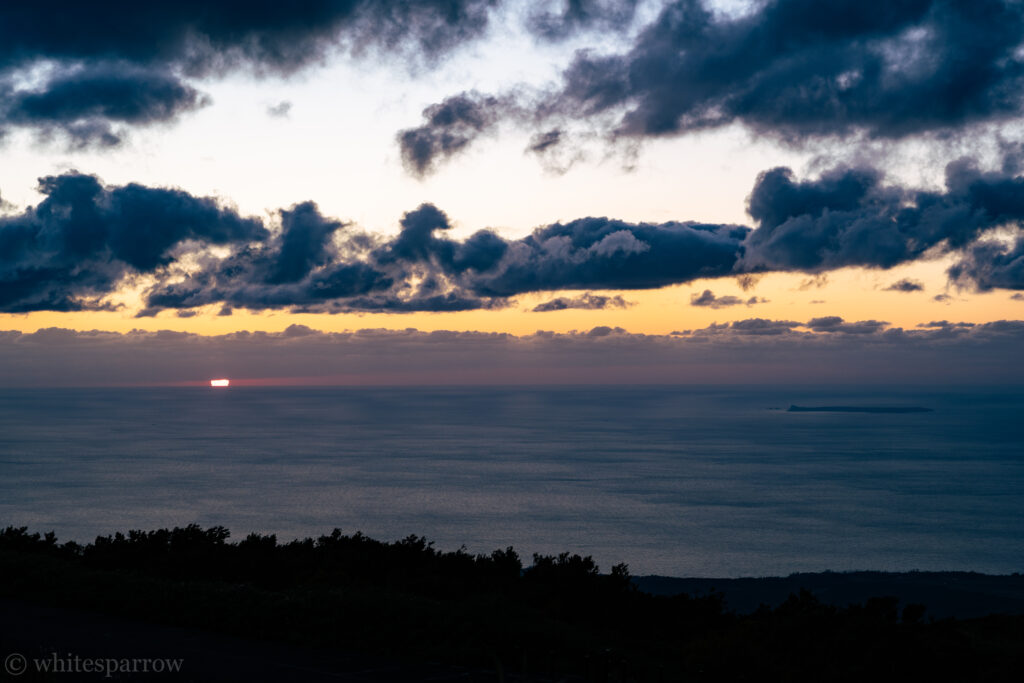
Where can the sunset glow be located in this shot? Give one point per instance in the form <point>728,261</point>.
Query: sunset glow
<point>220,382</point>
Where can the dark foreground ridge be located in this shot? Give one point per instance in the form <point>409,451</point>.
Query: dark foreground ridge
<point>351,608</point>
<point>858,409</point>
<point>961,595</point>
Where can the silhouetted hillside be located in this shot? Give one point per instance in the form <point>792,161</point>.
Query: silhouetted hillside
<point>558,617</point>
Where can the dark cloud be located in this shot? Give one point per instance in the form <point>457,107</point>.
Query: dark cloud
<point>942,298</point>
<point>610,254</point>
<point>202,36</point>
<point>331,269</point>
<point>303,244</point>
<point>124,63</point>
<point>708,299</point>
<point>578,15</point>
<point>835,324</point>
<point>586,301</point>
<point>991,264</point>
<point>84,239</point>
<point>946,325</point>
<point>421,269</point>
<point>796,69</point>
<point>748,281</point>
<point>1017,297</point>
<point>541,142</point>
<point>906,285</point>
<point>849,217</point>
<point>760,327</point>
<point>449,127</point>
<point>84,103</point>
<point>79,242</point>
<point>318,265</point>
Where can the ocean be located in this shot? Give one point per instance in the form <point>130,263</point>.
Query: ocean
<point>678,481</point>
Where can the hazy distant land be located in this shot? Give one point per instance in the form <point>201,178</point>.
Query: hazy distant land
<point>858,409</point>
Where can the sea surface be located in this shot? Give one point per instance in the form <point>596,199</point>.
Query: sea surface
<point>682,481</point>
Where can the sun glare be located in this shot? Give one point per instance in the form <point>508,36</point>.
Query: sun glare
<point>220,382</point>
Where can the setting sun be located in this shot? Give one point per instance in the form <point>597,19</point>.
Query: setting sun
<point>220,382</point>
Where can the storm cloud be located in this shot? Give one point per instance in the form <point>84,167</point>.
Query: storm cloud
<point>200,37</point>
<point>850,217</point>
<point>86,104</point>
<point>991,264</point>
<point>84,241</point>
<point>421,269</point>
<point>127,64</point>
<point>77,245</point>
<point>795,70</point>
<point>581,15</point>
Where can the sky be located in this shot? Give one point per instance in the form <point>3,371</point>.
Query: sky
<point>507,191</point>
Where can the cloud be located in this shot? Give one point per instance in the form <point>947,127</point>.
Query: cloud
<point>816,281</point>
<point>581,15</point>
<point>833,324</point>
<point>942,298</point>
<point>760,327</point>
<point>709,300</point>
<point>611,254</point>
<point>83,103</point>
<point>946,325</point>
<point>748,281</point>
<point>316,264</point>
<point>422,269</point>
<point>202,37</point>
<point>748,351</point>
<point>849,217</point>
<point>795,70</point>
<point>1017,297</point>
<point>449,127</point>
<point>991,264</point>
<point>906,285</point>
<point>586,301</point>
<point>128,63</point>
<point>83,238</point>
<point>281,110</point>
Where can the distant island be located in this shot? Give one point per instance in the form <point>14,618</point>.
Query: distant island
<point>858,409</point>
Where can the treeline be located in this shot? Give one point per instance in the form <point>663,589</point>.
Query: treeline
<point>556,617</point>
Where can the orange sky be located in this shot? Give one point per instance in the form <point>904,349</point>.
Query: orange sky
<point>852,293</point>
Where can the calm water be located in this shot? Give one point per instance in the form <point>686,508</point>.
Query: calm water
<point>678,481</point>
